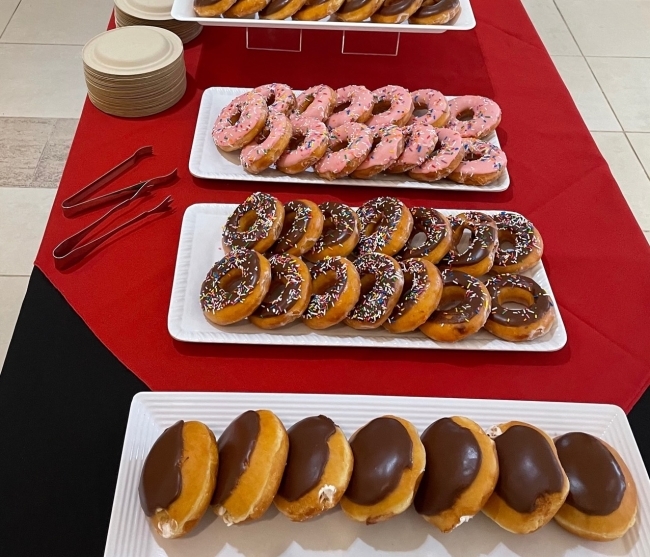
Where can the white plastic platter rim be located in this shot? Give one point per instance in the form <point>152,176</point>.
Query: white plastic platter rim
<point>206,161</point>
<point>200,247</point>
<point>183,10</point>
<point>334,535</point>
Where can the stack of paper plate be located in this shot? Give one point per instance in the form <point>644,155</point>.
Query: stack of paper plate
<point>156,13</point>
<point>134,71</point>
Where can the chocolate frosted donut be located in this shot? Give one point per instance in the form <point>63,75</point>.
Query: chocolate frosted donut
<point>255,224</point>
<point>430,237</point>
<point>381,286</point>
<point>460,474</point>
<point>478,258</point>
<point>388,463</point>
<point>288,293</point>
<point>235,286</point>
<point>463,310</point>
<point>436,12</point>
<point>340,232</point>
<point>303,225</point>
<point>396,11</point>
<point>514,324</point>
<point>532,485</point>
<point>602,500</point>
<point>318,469</point>
<point>385,226</point>
<point>527,245</point>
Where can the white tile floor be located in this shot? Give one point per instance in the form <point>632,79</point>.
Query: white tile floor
<point>601,49</point>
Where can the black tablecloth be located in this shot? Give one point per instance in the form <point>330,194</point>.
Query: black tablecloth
<point>64,404</point>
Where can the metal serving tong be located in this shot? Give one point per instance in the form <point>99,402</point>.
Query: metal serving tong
<point>72,250</point>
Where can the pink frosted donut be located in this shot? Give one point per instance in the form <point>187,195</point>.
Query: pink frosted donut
<point>354,103</point>
<point>240,122</point>
<point>267,147</point>
<point>473,116</point>
<point>388,144</point>
<point>419,142</point>
<point>482,163</point>
<point>393,105</point>
<point>278,96</point>
<point>444,159</point>
<point>316,102</point>
<point>307,146</point>
<point>349,146</point>
<point>436,105</point>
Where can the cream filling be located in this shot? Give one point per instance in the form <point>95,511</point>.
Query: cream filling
<point>326,494</point>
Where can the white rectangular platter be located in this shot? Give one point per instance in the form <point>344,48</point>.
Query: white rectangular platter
<point>206,161</point>
<point>183,10</point>
<point>334,535</point>
<point>200,247</point>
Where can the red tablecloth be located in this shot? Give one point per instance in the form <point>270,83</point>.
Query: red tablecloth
<point>596,256</point>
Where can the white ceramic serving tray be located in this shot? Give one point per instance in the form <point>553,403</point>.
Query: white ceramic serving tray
<point>200,247</point>
<point>334,535</point>
<point>183,10</point>
<point>206,161</point>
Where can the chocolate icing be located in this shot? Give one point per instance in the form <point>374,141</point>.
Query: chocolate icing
<point>453,462</point>
<point>161,480</point>
<point>437,7</point>
<point>597,481</point>
<point>511,317</point>
<point>275,6</point>
<point>285,289</point>
<point>264,207</point>
<point>215,295</point>
<point>416,283</point>
<point>352,5</point>
<point>528,468</point>
<point>382,450</point>
<point>236,445</point>
<point>379,220</point>
<point>321,303</point>
<point>518,230</point>
<point>395,7</point>
<point>471,304</point>
<point>429,229</point>
<point>482,242</point>
<point>298,214</point>
<point>340,224</point>
<point>308,456</point>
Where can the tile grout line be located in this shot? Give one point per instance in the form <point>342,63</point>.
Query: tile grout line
<point>645,170</point>
<point>10,18</point>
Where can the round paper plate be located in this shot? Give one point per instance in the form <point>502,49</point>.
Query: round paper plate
<point>132,50</point>
<point>146,9</point>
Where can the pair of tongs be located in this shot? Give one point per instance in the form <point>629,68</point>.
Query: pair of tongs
<point>72,250</point>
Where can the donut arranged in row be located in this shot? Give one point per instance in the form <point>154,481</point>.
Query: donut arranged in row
<point>357,132</point>
<point>374,289</point>
<point>516,474</point>
<point>419,12</point>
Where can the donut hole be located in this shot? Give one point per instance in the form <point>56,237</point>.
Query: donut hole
<point>464,241</point>
<point>296,139</point>
<point>338,146</point>
<point>231,280</point>
<point>270,99</point>
<point>515,298</point>
<point>380,106</point>
<point>341,107</point>
<point>367,284</point>
<point>247,221</point>
<point>420,109</point>
<point>417,240</point>
<point>452,296</point>
<point>373,225</point>
<point>306,103</point>
<point>234,118</point>
<point>465,115</point>
<point>275,292</point>
<point>289,219</point>
<point>408,284</point>
<point>472,156</point>
<point>507,240</point>
<point>323,283</point>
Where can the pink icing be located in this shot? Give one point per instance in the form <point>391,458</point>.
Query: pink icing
<point>435,103</point>
<point>360,99</point>
<point>387,151</point>
<point>444,154</point>
<point>420,141</point>
<point>276,127</point>
<point>250,108</point>
<point>357,139</point>
<point>491,158</point>
<point>487,115</point>
<point>314,134</point>
<point>316,102</point>
<point>283,98</point>
<point>400,101</point>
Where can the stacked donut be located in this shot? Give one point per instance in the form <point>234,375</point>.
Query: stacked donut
<point>515,473</point>
<point>419,12</point>
<point>375,267</point>
<point>360,133</point>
